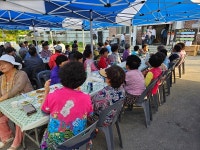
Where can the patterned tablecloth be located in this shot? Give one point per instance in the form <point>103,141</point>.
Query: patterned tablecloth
<point>19,117</point>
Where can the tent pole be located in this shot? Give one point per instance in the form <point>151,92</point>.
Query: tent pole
<point>91,36</point>
<point>170,35</point>
<point>83,38</point>
<point>134,34</point>
<point>130,32</point>
<point>51,37</point>
<point>35,37</point>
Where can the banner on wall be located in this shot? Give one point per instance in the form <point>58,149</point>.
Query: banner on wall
<point>185,35</point>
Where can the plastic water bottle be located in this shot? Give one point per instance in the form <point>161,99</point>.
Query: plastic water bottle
<point>88,70</point>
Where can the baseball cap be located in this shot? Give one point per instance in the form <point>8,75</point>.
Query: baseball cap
<point>58,48</point>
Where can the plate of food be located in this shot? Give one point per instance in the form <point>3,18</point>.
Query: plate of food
<point>40,91</point>
<point>40,96</point>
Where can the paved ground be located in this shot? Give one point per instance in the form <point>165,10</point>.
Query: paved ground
<point>174,127</point>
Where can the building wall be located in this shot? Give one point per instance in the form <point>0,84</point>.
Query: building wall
<point>189,24</point>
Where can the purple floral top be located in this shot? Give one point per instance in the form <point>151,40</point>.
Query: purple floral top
<point>105,98</point>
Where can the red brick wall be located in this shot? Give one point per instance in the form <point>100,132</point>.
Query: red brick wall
<point>112,31</point>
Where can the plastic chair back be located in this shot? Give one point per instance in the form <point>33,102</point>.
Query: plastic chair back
<point>79,140</point>
<point>36,70</point>
<point>117,106</point>
<point>147,91</point>
<point>42,77</point>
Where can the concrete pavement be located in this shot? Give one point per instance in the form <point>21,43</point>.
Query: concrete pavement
<point>174,127</point>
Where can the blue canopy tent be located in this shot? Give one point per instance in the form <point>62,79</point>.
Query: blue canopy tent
<point>13,27</point>
<point>71,23</point>
<point>9,17</point>
<point>164,11</point>
<point>114,11</point>
<point>96,10</point>
<point>128,12</point>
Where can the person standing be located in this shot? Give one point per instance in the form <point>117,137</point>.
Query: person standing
<point>153,35</point>
<point>164,35</point>
<point>144,38</point>
<point>149,33</point>
<point>75,46</point>
<point>123,39</point>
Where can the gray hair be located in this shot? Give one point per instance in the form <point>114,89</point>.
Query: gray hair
<point>7,44</point>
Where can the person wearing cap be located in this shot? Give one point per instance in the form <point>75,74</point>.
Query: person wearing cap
<point>52,63</point>
<point>13,82</point>
<point>45,53</point>
<point>113,92</point>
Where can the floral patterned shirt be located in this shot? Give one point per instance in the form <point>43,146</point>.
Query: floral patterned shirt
<point>68,111</point>
<point>105,98</point>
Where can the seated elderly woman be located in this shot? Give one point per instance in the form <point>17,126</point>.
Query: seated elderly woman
<point>113,92</point>
<point>155,61</point>
<point>89,61</point>
<point>13,82</point>
<point>76,56</point>
<point>60,61</point>
<point>68,107</point>
<point>134,85</point>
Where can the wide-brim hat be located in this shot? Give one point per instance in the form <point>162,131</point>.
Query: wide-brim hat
<point>102,72</point>
<point>10,59</point>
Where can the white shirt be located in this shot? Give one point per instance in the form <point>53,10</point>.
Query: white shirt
<point>153,32</point>
<point>122,37</point>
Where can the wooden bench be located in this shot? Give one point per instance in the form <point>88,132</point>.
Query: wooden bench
<point>192,50</point>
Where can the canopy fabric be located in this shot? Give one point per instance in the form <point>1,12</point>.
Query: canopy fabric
<point>164,11</point>
<point>135,12</point>
<point>13,27</point>
<point>9,17</point>
<point>70,23</point>
<point>111,11</point>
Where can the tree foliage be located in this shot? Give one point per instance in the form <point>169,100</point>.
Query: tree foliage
<point>11,35</point>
